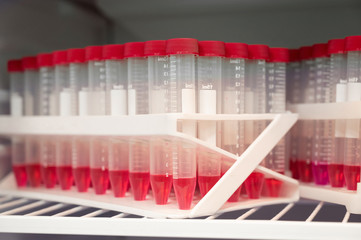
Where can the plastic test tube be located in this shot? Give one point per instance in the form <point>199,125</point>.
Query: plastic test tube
<point>161,168</point>
<point>47,104</point>
<point>352,160</point>
<point>65,106</point>
<point>306,128</point>
<point>209,69</point>
<point>233,90</point>
<point>138,90</point>
<point>276,103</point>
<point>338,81</point>
<point>255,94</point>
<point>98,146</point>
<point>31,103</point>
<point>323,138</point>
<point>116,105</point>
<point>293,94</point>
<point>182,86</point>
<point>15,71</point>
<point>78,77</point>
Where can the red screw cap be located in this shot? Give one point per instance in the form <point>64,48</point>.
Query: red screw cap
<point>155,48</point>
<point>211,48</point>
<point>336,46</point>
<point>45,60</point>
<point>320,50</point>
<point>15,65</point>
<point>306,53</point>
<point>258,51</point>
<point>134,49</point>
<point>60,57</point>
<point>294,55</point>
<point>76,55</point>
<point>113,52</point>
<point>182,46</point>
<point>353,43</point>
<point>236,50</point>
<point>94,53</point>
<point>279,55</point>
<point>29,63</point>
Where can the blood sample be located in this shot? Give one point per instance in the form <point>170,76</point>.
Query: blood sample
<point>82,177</point>
<point>255,102</point>
<point>138,95</point>
<point>352,159</point>
<point>306,127</point>
<point>233,86</point>
<point>31,104</point>
<point>15,70</point>
<point>116,105</point>
<point>182,84</point>
<point>161,162</point>
<point>338,78</point>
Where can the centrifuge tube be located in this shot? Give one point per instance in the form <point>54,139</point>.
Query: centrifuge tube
<point>98,146</point>
<point>276,103</point>
<point>138,95</point>
<point>182,88</point>
<point>65,100</point>
<point>161,161</point>
<point>255,102</point>
<point>293,95</point>
<point>15,70</point>
<point>233,86</point>
<point>116,105</point>
<point>338,91</point>
<point>352,160</point>
<point>31,103</point>
<point>306,129</point>
<point>79,105</point>
<point>209,72</point>
<point>47,105</point>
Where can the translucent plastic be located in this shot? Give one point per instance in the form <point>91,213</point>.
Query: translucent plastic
<point>306,128</point>
<point>32,145</point>
<point>352,159</point>
<point>209,70</point>
<point>138,97</point>
<point>183,100</point>
<point>338,80</point>
<point>116,105</point>
<point>17,143</point>
<point>323,140</point>
<point>161,162</point>
<point>255,102</point>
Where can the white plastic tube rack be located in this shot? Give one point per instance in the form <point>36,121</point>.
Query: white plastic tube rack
<point>329,111</point>
<point>165,125</point>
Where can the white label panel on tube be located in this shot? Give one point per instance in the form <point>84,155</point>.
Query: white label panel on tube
<point>208,101</point>
<point>249,126</point>
<point>207,131</point>
<point>52,104</point>
<point>353,91</point>
<point>65,103</point>
<point>158,101</point>
<point>132,102</point>
<point>353,128</point>
<point>16,105</point>
<point>230,128</point>
<point>341,96</point>
<point>84,103</point>
<point>118,102</point>
<point>188,100</point>
<point>248,105</point>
